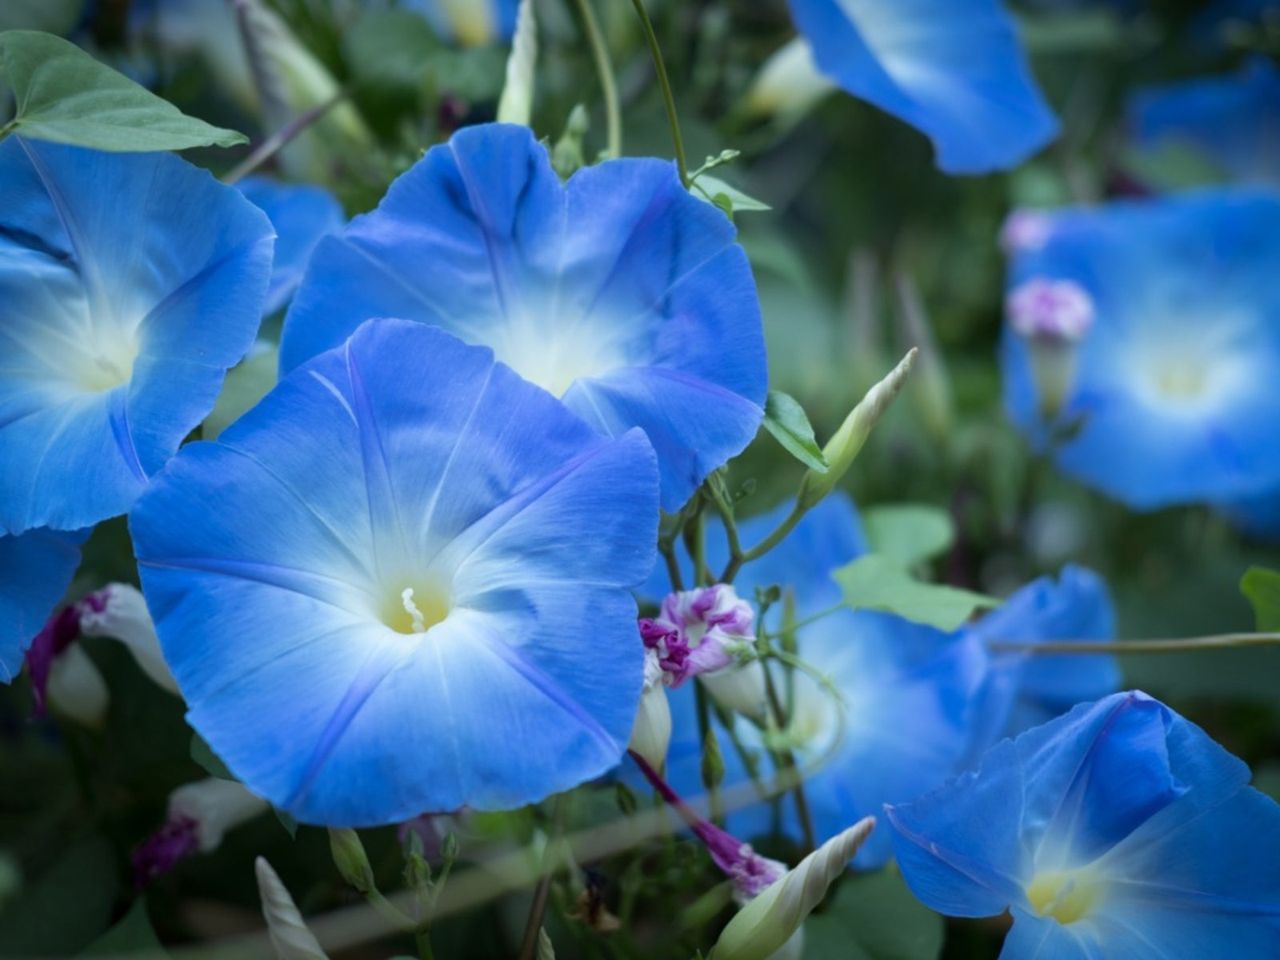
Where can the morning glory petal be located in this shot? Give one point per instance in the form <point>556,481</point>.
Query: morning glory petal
<point>302,215</point>
<point>618,291</point>
<point>445,571</point>
<point>954,71</point>
<point>113,268</point>
<point>1024,690</point>
<point>1232,122</point>
<point>36,568</point>
<point>1186,325</point>
<point>1118,829</point>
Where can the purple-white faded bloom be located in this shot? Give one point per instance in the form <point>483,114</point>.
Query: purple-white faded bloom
<point>1053,317</point>
<point>199,816</point>
<point>1048,309</point>
<point>62,673</point>
<point>709,632</point>
<point>119,611</point>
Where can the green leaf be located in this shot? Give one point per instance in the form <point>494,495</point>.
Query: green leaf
<point>716,191</point>
<point>908,533</point>
<point>875,582</point>
<point>1262,587</point>
<point>203,754</point>
<point>786,420</point>
<point>133,934</point>
<point>246,384</point>
<point>66,96</point>
<point>874,917</point>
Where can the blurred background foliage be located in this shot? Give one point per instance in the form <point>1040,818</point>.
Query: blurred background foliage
<point>866,250</point>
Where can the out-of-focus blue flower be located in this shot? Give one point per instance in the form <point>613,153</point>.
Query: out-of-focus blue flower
<point>302,215</point>
<point>471,23</point>
<point>438,553</point>
<point>955,71</point>
<point>1023,690</point>
<point>1233,121</point>
<point>131,282</point>
<point>35,570</point>
<point>619,292</point>
<point>1166,402</point>
<point>1117,830</point>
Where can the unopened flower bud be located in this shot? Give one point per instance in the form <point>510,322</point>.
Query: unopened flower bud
<point>1052,316</point>
<point>789,83</point>
<point>289,935</point>
<point>769,921</point>
<point>1025,231</point>
<point>712,761</point>
<point>844,446</point>
<point>119,611</point>
<point>351,860</point>
<point>651,732</point>
<point>75,688</point>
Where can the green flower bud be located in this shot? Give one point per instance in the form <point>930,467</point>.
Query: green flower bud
<point>843,447</point>
<point>350,859</point>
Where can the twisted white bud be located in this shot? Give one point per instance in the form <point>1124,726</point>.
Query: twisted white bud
<point>651,732</point>
<point>289,934</point>
<point>768,923</point>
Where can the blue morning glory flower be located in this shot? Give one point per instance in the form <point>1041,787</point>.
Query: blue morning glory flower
<point>302,214</point>
<point>1023,690</point>
<point>1117,830</point>
<point>435,552</point>
<point>955,71</point>
<point>1164,395</point>
<point>618,292</point>
<point>472,23</point>
<point>35,571</point>
<point>1232,121</point>
<point>131,282</point>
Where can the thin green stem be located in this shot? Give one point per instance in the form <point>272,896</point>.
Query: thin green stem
<point>677,141</point>
<point>604,70</point>
<point>764,546</point>
<point>820,615</point>
<point>1223,641</point>
<point>788,760</point>
<point>730,531</point>
<point>550,861</point>
<point>281,139</point>
<point>673,566</point>
<point>704,730</point>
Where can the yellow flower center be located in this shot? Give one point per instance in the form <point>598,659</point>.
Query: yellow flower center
<point>415,608</point>
<point>1065,895</point>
